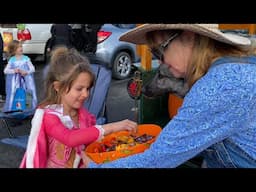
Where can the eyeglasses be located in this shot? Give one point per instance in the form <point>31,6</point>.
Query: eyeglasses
<point>158,52</point>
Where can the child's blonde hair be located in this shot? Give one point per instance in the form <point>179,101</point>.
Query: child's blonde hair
<point>65,66</point>
<point>12,47</point>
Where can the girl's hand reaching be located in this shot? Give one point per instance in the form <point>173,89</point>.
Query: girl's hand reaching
<point>86,160</point>
<point>124,125</point>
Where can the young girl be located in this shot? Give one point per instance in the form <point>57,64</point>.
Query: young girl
<point>18,64</point>
<point>61,128</point>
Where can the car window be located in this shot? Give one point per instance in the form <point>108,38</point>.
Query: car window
<point>8,25</point>
<point>125,26</point>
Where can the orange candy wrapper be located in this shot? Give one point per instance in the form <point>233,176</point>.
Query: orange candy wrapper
<point>96,150</point>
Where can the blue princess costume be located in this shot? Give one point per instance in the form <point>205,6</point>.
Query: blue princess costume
<point>24,63</point>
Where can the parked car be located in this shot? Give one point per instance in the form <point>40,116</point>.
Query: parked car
<point>40,34</point>
<point>117,55</point>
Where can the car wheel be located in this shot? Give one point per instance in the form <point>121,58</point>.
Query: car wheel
<point>122,65</point>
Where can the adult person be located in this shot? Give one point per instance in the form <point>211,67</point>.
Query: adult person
<point>218,115</point>
<point>89,33</point>
<point>86,39</point>
<point>61,36</point>
<point>78,41</point>
<point>2,76</point>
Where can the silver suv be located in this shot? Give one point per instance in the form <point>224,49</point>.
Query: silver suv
<point>115,54</point>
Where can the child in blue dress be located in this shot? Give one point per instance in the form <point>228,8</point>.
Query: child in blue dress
<point>19,65</point>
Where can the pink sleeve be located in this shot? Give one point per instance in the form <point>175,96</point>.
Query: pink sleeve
<point>71,138</point>
<point>87,117</point>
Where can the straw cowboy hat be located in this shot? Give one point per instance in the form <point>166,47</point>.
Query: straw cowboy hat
<point>138,34</point>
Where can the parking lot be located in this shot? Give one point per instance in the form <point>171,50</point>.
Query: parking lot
<point>117,99</point>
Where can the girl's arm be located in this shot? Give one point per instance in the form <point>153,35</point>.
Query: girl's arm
<point>72,138</point>
<point>8,69</point>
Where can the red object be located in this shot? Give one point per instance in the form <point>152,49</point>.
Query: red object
<point>27,34</point>
<point>23,35</point>
<point>19,35</point>
<point>133,88</point>
<point>103,35</point>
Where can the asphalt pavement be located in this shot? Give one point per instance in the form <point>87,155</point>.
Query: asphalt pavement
<point>119,106</point>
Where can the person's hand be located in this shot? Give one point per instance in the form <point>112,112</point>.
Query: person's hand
<point>23,73</point>
<point>48,49</point>
<point>124,125</point>
<point>86,160</point>
<point>16,70</point>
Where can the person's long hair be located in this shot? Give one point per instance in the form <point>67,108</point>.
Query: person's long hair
<point>205,52</point>
<point>65,66</point>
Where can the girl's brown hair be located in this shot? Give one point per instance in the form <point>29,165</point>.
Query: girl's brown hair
<point>12,47</point>
<point>65,66</point>
<point>205,52</point>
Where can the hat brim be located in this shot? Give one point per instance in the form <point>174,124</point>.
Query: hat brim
<point>138,34</point>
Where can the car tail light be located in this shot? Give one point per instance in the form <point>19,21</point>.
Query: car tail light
<point>103,35</point>
<point>23,35</point>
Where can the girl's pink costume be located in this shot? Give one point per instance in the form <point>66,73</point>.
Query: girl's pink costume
<point>50,129</point>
